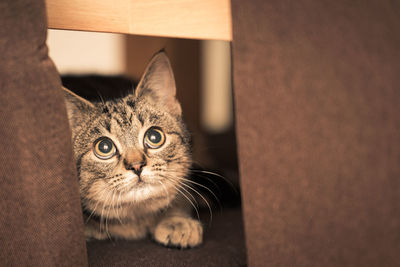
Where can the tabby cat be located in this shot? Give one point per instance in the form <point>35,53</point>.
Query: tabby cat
<point>133,159</point>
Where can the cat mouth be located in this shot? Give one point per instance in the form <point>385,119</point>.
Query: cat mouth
<point>143,191</point>
<point>139,183</point>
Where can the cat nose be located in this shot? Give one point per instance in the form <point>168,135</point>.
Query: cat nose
<point>134,161</point>
<point>136,167</point>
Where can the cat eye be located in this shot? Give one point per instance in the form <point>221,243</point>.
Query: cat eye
<point>154,138</point>
<point>104,148</point>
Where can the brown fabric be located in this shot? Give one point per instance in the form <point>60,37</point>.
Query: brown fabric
<point>40,222</point>
<point>223,247</point>
<point>318,122</point>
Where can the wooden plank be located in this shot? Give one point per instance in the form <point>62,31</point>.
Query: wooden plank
<point>195,19</point>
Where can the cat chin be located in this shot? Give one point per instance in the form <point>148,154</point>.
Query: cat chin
<point>144,192</point>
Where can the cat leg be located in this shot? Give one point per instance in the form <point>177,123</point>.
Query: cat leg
<point>94,233</point>
<point>176,228</point>
<point>179,231</point>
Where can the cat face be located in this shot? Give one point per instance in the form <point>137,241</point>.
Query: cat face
<point>133,150</point>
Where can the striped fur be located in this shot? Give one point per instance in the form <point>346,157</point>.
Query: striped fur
<point>117,202</point>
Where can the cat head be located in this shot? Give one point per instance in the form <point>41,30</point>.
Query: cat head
<point>131,150</point>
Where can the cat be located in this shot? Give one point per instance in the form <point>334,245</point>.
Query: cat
<point>133,159</point>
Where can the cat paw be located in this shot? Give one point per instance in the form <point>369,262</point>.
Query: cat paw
<point>179,232</point>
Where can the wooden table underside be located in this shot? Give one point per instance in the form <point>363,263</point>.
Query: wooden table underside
<point>194,19</point>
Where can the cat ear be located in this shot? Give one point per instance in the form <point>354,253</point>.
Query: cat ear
<point>158,83</point>
<point>77,107</point>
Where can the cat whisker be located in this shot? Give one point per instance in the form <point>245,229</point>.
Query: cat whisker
<point>165,189</point>
<point>119,202</point>
<point>211,173</point>
<point>108,212</point>
<point>192,197</point>
<point>182,183</point>
<point>205,187</point>
<point>204,199</point>
<point>101,216</point>
<point>208,179</point>
<point>216,175</point>
<point>97,203</point>
<point>91,214</point>
<point>112,203</point>
<point>190,201</point>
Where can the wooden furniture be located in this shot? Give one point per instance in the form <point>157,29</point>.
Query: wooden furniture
<point>206,19</point>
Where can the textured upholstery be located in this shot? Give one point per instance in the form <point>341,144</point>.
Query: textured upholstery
<point>223,247</point>
<point>318,122</point>
<point>41,221</point>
